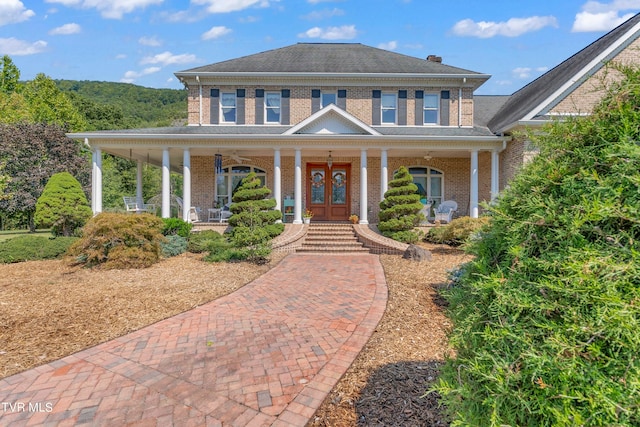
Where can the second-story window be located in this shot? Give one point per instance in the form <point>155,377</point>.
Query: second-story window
<point>228,107</point>
<point>430,109</point>
<point>272,107</point>
<point>328,98</point>
<point>389,106</point>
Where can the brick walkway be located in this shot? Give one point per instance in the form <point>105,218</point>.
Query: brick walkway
<point>265,355</point>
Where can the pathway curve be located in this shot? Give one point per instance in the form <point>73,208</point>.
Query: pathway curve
<point>265,355</point>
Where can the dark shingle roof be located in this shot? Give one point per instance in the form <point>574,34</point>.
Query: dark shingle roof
<point>329,58</point>
<point>527,98</point>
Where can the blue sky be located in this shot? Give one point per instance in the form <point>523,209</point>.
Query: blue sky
<point>146,41</point>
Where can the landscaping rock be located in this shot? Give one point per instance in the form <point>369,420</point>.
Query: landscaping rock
<point>417,253</point>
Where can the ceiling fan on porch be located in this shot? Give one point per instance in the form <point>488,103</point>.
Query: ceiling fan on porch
<point>235,156</point>
<point>427,156</point>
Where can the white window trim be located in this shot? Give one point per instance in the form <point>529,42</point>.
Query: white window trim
<point>235,107</point>
<point>266,95</point>
<point>228,174</point>
<point>437,109</point>
<point>382,109</point>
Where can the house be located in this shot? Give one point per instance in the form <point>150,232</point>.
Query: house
<point>326,125</point>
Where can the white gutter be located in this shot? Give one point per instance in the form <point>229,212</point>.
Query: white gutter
<point>328,75</point>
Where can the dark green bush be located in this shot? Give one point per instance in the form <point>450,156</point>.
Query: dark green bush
<point>176,226</point>
<point>62,206</point>
<point>457,232</point>
<point>32,248</point>
<point>116,240</point>
<point>173,245</point>
<point>400,210</point>
<point>205,241</point>
<point>547,317</point>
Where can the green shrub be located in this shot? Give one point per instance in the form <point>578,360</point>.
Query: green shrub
<point>547,316</point>
<point>400,209</point>
<point>116,240</point>
<point>62,206</point>
<point>32,248</point>
<point>173,245</point>
<point>205,241</point>
<point>457,232</point>
<point>176,226</point>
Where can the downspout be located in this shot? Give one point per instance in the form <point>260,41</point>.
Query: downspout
<point>199,101</point>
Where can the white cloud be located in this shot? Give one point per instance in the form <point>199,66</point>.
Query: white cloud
<point>168,58</point>
<point>392,45</point>
<point>526,72</point>
<point>318,15</point>
<point>66,30</point>
<point>512,28</point>
<point>13,11</point>
<point>113,9</point>
<point>322,1</point>
<point>215,32</point>
<point>131,76</point>
<point>224,6</point>
<point>121,56</point>
<point>331,33</point>
<point>150,41</point>
<point>597,16</point>
<point>15,47</point>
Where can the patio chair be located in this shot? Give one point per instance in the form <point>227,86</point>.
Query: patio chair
<point>445,211</point>
<point>194,215</point>
<point>225,213</point>
<point>426,212</point>
<point>131,205</point>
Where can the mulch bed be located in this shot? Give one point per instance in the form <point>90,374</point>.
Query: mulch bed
<point>49,309</point>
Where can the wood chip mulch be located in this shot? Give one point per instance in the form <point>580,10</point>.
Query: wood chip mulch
<point>49,310</point>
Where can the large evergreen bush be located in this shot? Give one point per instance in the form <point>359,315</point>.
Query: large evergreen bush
<point>547,317</point>
<point>63,205</point>
<point>253,220</point>
<point>400,209</point>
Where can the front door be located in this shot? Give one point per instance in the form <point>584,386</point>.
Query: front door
<point>328,194</point>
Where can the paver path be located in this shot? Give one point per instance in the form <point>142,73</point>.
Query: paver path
<point>268,354</point>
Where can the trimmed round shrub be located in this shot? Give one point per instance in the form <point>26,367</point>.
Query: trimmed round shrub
<point>547,317</point>
<point>205,241</point>
<point>33,248</point>
<point>176,226</point>
<point>117,240</point>
<point>62,206</point>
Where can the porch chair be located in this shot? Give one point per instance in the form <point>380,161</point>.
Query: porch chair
<point>426,211</point>
<point>131,205</point>
<point>225,213</point>
<point>193,215</point>
<point>445,211</point>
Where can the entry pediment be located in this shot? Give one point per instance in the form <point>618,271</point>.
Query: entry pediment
<point>331,120</point>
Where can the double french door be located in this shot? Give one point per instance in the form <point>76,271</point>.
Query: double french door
<point>328,195</point>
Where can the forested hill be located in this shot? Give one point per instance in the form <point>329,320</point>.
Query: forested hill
<point>127,105</point>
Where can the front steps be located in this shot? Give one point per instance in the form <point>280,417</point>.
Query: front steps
<point>326,237</point>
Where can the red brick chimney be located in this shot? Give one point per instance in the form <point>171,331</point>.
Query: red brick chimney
<point>435,58</point>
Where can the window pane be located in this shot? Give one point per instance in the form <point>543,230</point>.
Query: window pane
<point>228,114</point>
<point>388,116</point>
<point>417,171</point>
<point>228,100</point>
<point>273,116</point>
<point>328,98</point>
<point>338,187</point>
<point>421,183</point>
<point>430,116</point>
<point>273,100</point>
<point>242,169</point>
<point>431,101</point>
<point>317,186</point>
<point>436,186</point>
<point>388,100</point>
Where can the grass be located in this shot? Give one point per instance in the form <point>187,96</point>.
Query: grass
<point>10,234</point>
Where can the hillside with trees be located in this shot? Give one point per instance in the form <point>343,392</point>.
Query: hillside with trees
<point>125,105</point>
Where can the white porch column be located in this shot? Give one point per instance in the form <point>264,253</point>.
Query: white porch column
<point>297,189</point>
<point>139,197</point>
<point>98,181</point>
<point>495,174</point>
<point>384,173</point>
<point>166,185</point>
<point>93,177</point>
<point>277,179</point>
<point>186,183</point>
<point>473,199</point>
<point>363,187</point>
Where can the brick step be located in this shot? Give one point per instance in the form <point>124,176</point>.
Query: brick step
<point>332,238</point>
<point>331,249</point>
<point>329,238</point>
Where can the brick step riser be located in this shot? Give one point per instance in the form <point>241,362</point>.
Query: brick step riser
<point>328,238</point>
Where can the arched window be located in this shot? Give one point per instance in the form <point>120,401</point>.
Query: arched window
<point>430,184</point>
<point>228,181</point>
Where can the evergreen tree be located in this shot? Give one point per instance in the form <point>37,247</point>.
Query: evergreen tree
<point>63,205</point>
<point>400,209</point>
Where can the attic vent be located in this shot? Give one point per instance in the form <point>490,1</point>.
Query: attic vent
<point>435,58</point>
